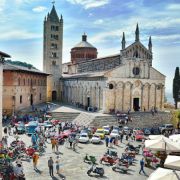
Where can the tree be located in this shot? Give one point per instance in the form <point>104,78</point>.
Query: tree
<point>176,86</point>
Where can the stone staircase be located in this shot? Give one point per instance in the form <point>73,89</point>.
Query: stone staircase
<point>84,119</point>
<point>65,116</point>
<point>145,119</point>
<point>139,119</point>
<point>100,121</point>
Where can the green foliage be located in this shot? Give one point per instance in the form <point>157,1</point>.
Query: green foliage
<point>19,63</point>
<point>175,117</point>
<point>176,86</point>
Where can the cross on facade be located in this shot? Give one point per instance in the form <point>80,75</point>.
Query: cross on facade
<point>53,2</point>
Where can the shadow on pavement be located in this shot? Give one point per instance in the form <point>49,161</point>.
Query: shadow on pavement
<point>62,176</point>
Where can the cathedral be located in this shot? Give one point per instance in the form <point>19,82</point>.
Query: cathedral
<point>119,82</point>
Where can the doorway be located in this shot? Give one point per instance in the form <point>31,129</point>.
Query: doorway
<point>136,104</point>
<point>88,101</point>
<point>54,95</point>
<point>31,99</point>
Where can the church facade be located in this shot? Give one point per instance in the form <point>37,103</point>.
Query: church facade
<point>114,83</point>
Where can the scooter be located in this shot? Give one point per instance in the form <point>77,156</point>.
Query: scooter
<point>108,159</point>
<point>96,170</point>
<point>90,159</point>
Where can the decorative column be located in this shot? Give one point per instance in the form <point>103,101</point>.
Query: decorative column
<point>131,97</point>
<point>149,87</point>
<point>155,96</point>
<point>123,97</point>
<point>142,89</point>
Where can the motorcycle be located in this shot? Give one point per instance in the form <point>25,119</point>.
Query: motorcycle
<point>122,167</point>
<point>96,170</point>
<point>90,159</point>
<point>108,159</point>
<point>133,148</point>
<point>126,158</point>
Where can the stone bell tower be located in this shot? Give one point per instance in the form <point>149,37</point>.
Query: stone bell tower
<point>52,53</point>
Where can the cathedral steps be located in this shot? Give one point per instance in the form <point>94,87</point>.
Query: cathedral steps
<point>139,119</point>
<point>65,116</point>
<point>84,119</point>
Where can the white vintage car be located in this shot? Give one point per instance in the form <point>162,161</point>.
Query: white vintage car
<point>84,138</point>
<point>114,133</point>
<point>96,139</point>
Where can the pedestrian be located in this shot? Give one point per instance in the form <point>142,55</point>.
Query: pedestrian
<point>142,166</point>
<point>53,143</point>
<point>57,145</point>
<point>111,141</point>
<point>50,165</point>
<point>127,137</point>
<point>5,130</point>
<point>57,164</point>
<point>35,160</point>
<point>107,141</point>
<point>9,130</point>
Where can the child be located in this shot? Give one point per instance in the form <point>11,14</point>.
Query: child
<point>57,164</point>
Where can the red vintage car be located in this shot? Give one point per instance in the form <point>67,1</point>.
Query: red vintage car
<point>55,121</point>
<point>139,136</point>
<point>65,133</point>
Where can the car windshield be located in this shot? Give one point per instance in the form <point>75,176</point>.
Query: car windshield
<point>169,126</point>
<point>99,131</point>
<point>106,128</point>
<point>115,131</point>
<point>140,133</point>
<point>83,135</point>
<point>96,136</point>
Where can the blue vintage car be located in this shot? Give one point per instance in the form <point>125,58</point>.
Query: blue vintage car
<point>30,127</point>
<point>21,129</point>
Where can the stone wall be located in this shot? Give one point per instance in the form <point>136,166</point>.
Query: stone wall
<point>18,84</point>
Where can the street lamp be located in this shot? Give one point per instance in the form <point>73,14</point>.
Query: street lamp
<point>2,58</point>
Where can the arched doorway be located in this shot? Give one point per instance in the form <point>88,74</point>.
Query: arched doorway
<point>31,99</point>
<point>54,95</point>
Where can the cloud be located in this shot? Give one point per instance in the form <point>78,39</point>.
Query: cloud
<point>174,7</point>
<point>2,4</point>
<point>99,21</point>
<point>87,4</point>
<point>39,9</point>
<point>19,35</point>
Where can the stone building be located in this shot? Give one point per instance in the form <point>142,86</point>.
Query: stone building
<point>22,88</point>
<point>52,53</point>
<point>115,83</point>
<point>83,51</point>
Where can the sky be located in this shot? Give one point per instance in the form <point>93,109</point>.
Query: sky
<point>104,21</point>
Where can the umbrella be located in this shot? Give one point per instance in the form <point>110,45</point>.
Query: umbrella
<point>162,144</point>
<point>153,137</point>
<point>175,138</point>
<point>164,174</point>
<point>172,162</point>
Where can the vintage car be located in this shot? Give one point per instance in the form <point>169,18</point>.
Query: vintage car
<point>139,135</point>
<point>96,139</point>
<point>84,138</point>
<point>100,132</point>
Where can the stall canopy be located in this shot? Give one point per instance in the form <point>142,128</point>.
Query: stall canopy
<point>175,138</point>
<point>153,137</point>
<point>162,144</point>
<point>172,162</point>
<point>164,174</point>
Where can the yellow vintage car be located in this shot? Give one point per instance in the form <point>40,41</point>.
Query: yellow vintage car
<point>100,132</point>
